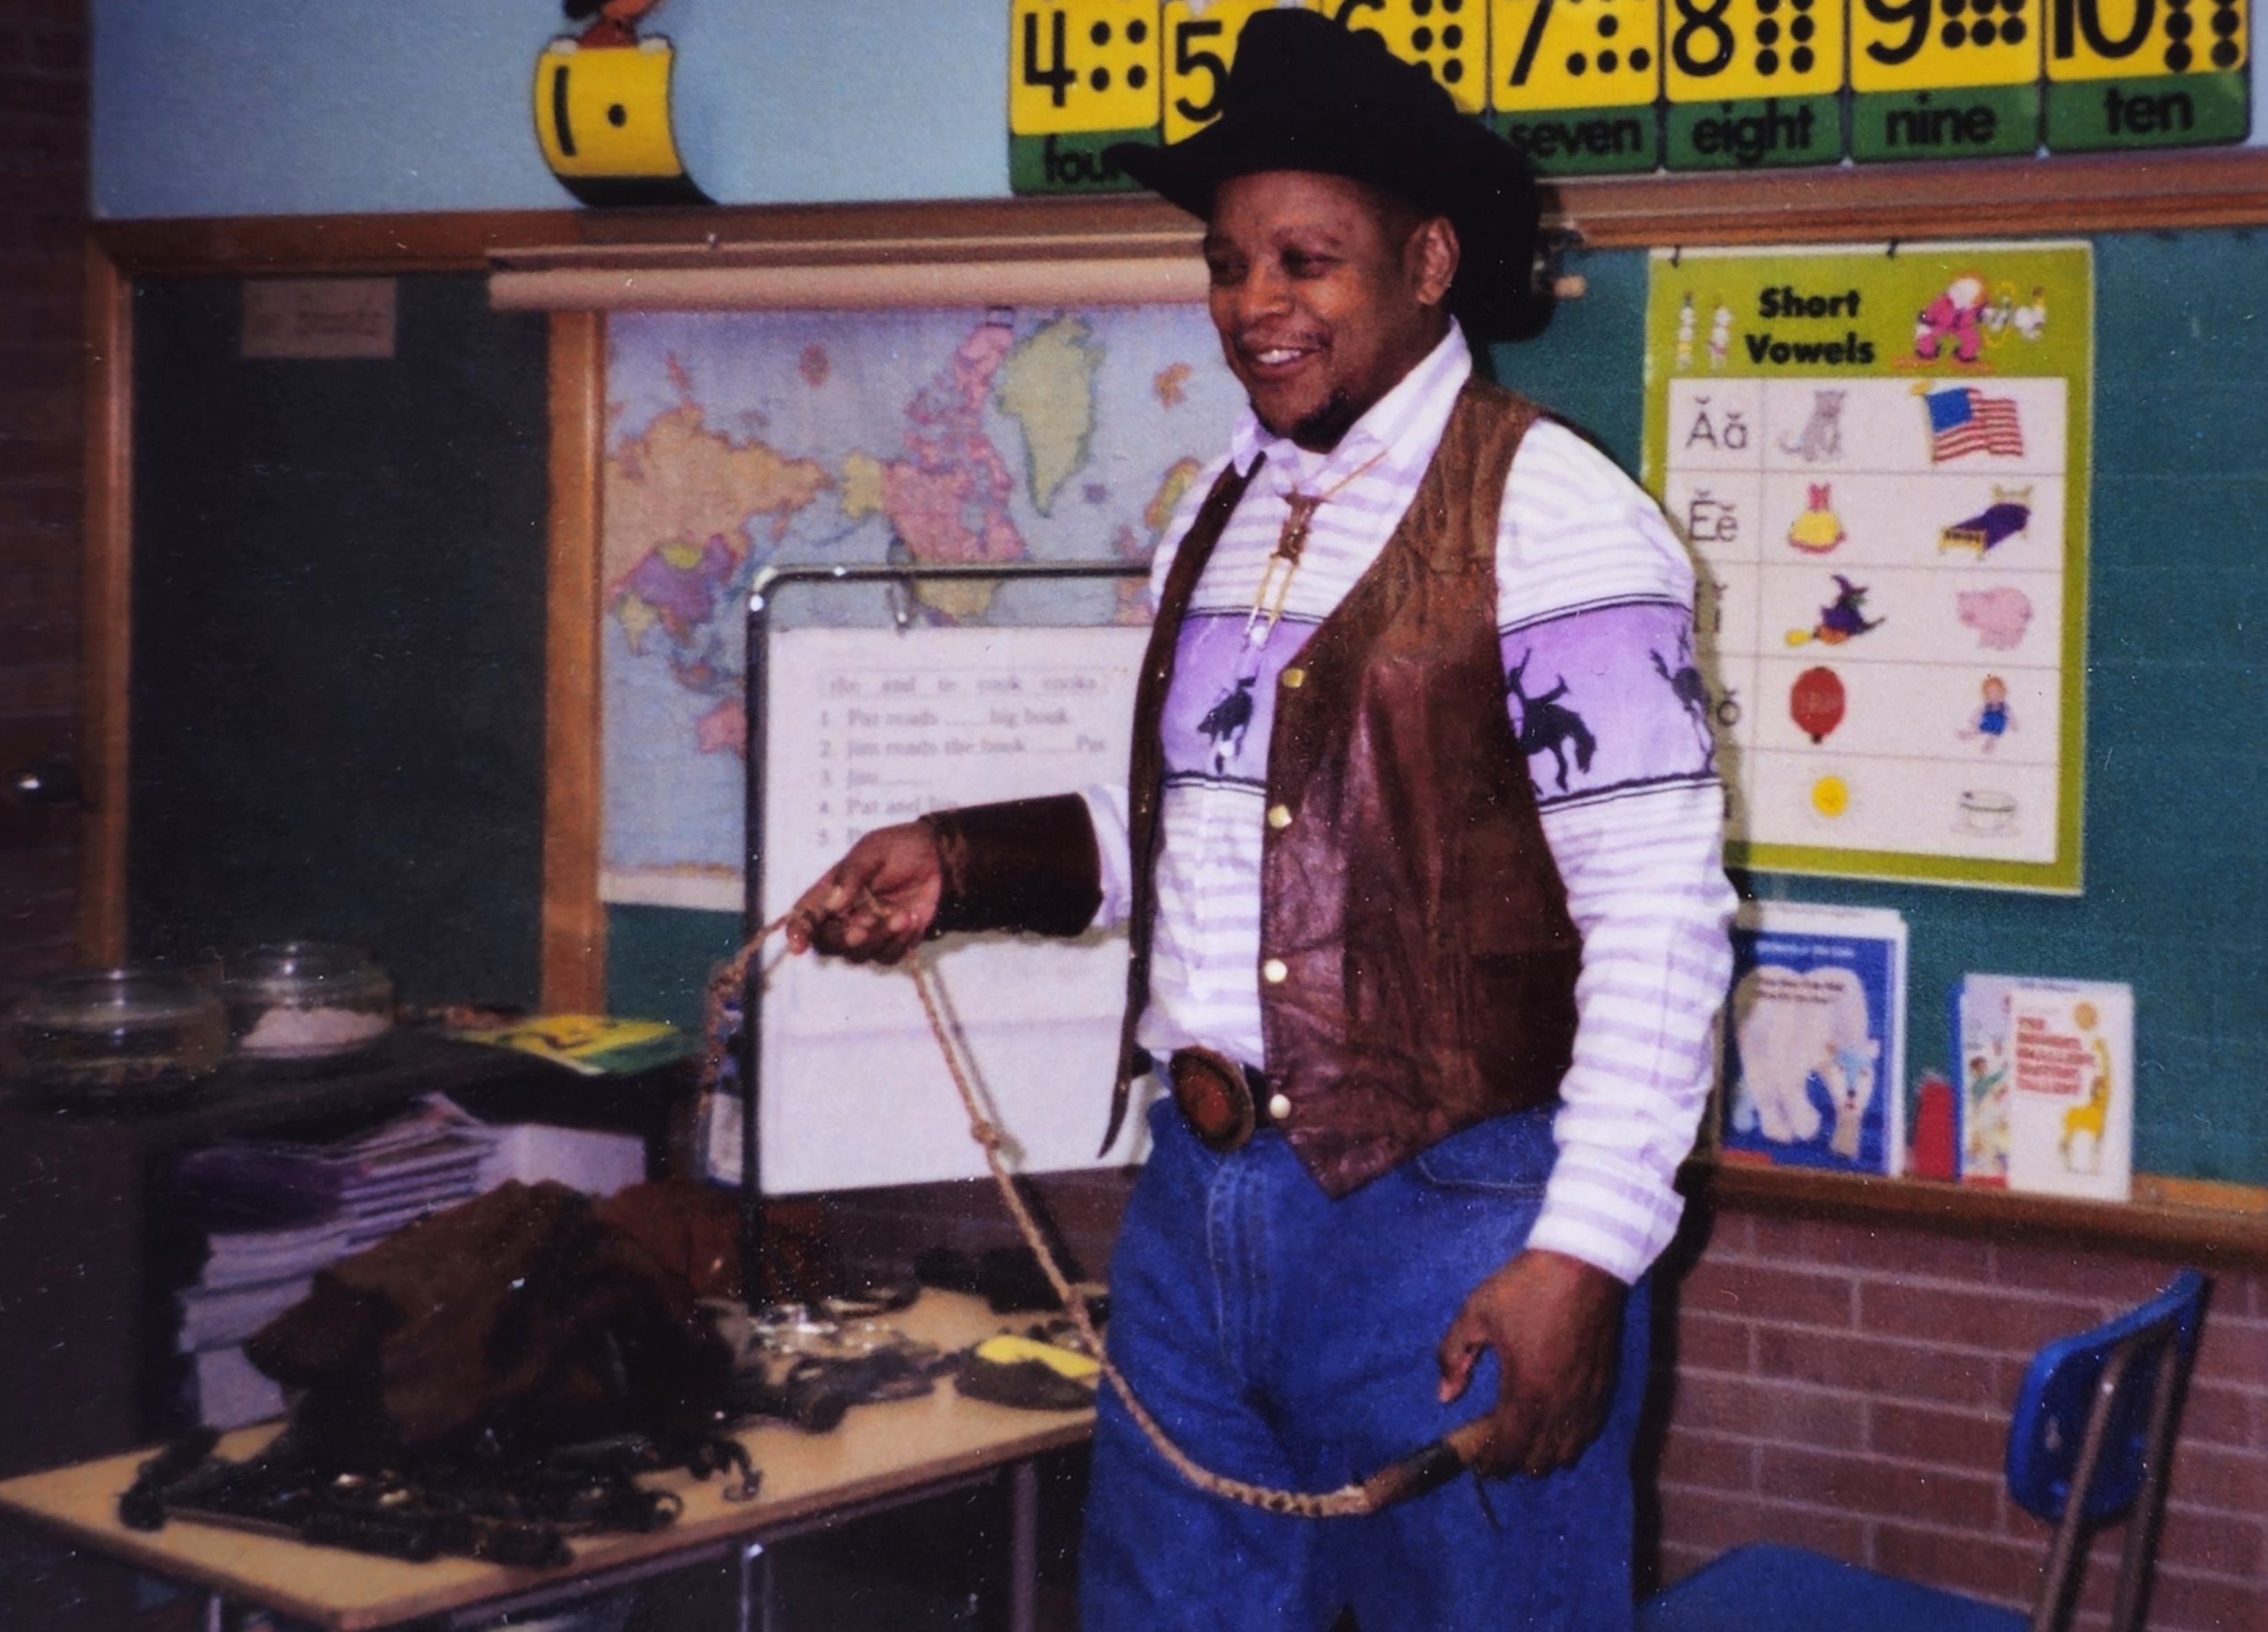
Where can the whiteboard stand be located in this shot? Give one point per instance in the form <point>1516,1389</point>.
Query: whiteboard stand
<point>763,593</point>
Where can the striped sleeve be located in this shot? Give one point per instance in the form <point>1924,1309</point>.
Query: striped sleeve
<point>1595,607</point>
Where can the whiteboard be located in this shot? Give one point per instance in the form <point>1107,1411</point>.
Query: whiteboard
<point>870,727</point>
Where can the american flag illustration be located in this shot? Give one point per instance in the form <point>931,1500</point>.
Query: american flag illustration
<point>1965,421</point>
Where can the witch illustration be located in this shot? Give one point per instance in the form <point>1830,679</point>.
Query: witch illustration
<point>1841,619</point>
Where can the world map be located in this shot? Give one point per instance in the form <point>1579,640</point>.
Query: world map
<point>738,440</point>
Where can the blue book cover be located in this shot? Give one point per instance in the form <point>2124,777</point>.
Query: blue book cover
<point>1813,1038</point>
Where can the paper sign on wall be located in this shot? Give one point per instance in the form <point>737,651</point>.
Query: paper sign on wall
<point>1880,464</point>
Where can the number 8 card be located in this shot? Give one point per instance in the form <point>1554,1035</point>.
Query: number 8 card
<point>1754,82</point>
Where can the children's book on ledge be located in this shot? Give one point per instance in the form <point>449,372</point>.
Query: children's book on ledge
<point>590,1045</point>
<point>2045,1070</point>
<point>1815,1038</point>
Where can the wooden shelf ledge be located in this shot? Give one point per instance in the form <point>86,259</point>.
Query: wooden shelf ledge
<point>2231,1235</point>
<point>2127,192</point>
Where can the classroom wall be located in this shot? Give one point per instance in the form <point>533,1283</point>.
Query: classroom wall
<point>280,106</point>
<point>43,180</point>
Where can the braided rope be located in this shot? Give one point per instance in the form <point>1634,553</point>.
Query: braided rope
<point>1349,1501</point>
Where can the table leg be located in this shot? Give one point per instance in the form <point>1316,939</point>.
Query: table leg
<point>755,1604</point>
<point>1023,1546</point>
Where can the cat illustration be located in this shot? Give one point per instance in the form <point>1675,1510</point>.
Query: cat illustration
<point>1821,436</point>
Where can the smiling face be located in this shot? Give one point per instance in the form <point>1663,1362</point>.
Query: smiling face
<point>1326,293</point>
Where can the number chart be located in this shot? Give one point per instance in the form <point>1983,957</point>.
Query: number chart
<point>1880,462</point>
<point>1754,83</point>
<point>2146,73</point>
<point>1945,79</point>
<point>1574,82</point>
<point>1082,74</point>
<point>1589,87</point>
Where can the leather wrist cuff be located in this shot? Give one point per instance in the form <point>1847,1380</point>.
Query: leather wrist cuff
<point>1029,864</point>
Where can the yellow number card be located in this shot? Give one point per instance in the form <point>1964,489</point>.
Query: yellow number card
<point>1448,39</point>
<point>1565,54</point>
<point>1081,65</point>
<point>1200,46</point>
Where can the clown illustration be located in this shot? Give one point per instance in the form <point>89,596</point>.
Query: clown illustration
<point>1953,321</point>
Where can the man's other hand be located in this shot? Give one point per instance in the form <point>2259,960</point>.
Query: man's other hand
<point>1555,1325</point>
<point>875,905</point>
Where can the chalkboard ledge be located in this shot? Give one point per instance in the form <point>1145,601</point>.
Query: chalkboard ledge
<point>2215,1226</point>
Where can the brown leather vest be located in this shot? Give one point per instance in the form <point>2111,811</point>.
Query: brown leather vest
<point>1419,963</point>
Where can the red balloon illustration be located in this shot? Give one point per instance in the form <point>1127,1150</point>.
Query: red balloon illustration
<point>1816,702</point>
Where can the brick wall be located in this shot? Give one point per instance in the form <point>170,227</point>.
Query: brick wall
<point>1849,1389</point>
<point>44,190</point>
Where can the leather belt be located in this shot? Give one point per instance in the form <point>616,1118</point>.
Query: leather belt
<point>1224,1102</point>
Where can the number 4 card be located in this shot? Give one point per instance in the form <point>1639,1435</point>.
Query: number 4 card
<point>1082,74</point>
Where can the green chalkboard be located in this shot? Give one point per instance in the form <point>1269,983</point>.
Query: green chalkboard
<point>2177,701</point>
<point>337,700</point>
<point>2176,897</point>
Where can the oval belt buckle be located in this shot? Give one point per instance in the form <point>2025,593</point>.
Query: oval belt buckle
<point>1214,1099</point>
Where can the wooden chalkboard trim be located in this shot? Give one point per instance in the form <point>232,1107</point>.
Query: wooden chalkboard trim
<point>2232,1234</point>
<point>106,610</point>
<point>574,974</point>
<point>2117,193</point>
<point>1995,197</point>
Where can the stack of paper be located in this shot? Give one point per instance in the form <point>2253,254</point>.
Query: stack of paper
<point>276,1213</point>
<point>1815,1043</point>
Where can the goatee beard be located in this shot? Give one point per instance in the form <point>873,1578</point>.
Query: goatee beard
<point>1320,431</point>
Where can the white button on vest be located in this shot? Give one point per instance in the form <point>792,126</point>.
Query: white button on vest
<point>1279,1108</point>
<point>1279,816</point>
<point>1275,972</point>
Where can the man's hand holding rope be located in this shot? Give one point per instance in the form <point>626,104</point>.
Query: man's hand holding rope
<point>1553,1322</point>
<point>877,904</point>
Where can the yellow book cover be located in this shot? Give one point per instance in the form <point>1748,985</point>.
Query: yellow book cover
<point>593,1044</point>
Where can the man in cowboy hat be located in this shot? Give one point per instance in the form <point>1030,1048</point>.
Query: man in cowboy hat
<point>1420,861</point>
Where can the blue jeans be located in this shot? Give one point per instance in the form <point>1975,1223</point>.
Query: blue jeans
<point>1286,1338</point>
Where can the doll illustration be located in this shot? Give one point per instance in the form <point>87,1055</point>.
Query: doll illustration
<point>1992,721</point>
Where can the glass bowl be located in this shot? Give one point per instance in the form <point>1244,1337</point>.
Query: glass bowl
<point>304,1000</point>
<point>112,1036</point>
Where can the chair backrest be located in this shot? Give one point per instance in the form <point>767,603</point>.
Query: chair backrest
<point>2092,1433</point>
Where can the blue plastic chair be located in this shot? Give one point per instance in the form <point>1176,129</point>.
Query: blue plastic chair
<point>2096,1414</point>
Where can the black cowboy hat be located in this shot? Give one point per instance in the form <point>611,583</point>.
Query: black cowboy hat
<point>1306,93</point>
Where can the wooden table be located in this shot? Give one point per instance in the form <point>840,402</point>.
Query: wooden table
<point>882,1456</point>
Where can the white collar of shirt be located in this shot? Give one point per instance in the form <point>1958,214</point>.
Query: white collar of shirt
<point>1403,425</point>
